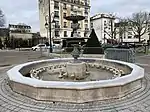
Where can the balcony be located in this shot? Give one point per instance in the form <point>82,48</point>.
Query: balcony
<point>77,2</point>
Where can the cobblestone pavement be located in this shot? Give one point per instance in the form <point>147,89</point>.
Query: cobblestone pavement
<point>13,102</point>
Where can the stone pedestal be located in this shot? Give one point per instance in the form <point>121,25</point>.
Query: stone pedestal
<point>78,70</point>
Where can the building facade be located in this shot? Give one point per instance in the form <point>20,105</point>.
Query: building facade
<point>59,9</point>
<point>128,35</point>
<point>103,24</point>
<point>20,31</point>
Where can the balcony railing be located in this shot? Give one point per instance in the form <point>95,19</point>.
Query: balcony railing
<point>76,2</point>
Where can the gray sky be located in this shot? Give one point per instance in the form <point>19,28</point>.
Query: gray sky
<point>26,11</point>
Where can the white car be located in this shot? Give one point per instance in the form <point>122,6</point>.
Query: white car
<point>37,47</point>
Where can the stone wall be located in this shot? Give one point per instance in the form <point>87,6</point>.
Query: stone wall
<point>76,95</point>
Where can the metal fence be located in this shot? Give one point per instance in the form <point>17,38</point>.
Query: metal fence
<point>127,55</point>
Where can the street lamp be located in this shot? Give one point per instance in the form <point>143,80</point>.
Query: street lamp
<point>48,25</point>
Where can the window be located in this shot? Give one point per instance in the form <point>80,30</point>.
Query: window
<point>65,24</point>
<point>129,28</point>
<point>56,14</point>
<point>86,27</point>
<point>86,11</point>
<point>104,36</point>
<point>72,7</point>
<point>91,25</point>
<point>148,27</point>
<point>129,33</point>
<point>56,5</point>
<point>64,6</point>
<point>65,14</point>
<point>129,36</point>
<point>56,22</point>
<point>57,33</point>
<point>85,33</point>
<point>65,33</point>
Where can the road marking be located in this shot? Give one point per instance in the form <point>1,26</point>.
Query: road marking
<point>142,64</point>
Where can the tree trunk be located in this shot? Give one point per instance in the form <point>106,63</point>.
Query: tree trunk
<point>139,38</point>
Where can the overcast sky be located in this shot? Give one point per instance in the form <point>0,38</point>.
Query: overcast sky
<point>26,11</point>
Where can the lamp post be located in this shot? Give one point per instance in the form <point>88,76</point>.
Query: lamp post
<point>46,25</point>
<point>49,14</point>
<point>105,34</point>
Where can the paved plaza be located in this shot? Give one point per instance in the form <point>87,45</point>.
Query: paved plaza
<point>13,102</point>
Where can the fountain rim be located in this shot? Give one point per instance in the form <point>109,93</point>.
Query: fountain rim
<point>15,76</point>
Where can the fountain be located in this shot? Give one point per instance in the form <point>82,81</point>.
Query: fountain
<point>76,69</point>
<point>76,80</point>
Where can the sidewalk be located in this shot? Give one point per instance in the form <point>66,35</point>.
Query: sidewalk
<point>23,49</point>
<point>17,49</point>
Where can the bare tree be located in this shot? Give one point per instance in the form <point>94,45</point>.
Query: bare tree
<point>2,19</point>
<point>118,28</point>
<point>139,22</point>
<point>121,26</point>
<point>110,30</point>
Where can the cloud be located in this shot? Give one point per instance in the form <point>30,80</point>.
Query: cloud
<point>26,11</point>
<point>121,7</point>
<point>21,11</point>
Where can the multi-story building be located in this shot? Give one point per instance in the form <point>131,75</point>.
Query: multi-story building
<point>20,31</point>
<point>59,9</point>
<point>127,34</point>
<point>103,24</point>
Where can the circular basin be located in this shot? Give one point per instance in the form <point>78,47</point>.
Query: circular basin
<point>76,91</point>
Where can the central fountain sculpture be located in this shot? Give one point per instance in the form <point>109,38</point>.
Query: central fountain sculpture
<point>76,69</point>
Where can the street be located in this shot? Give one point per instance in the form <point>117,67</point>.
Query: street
<point>17,57</point>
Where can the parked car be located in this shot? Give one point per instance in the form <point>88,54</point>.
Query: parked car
<point>37,47</point>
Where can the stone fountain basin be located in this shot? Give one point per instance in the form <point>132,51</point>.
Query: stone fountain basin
<point>76,92</point>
